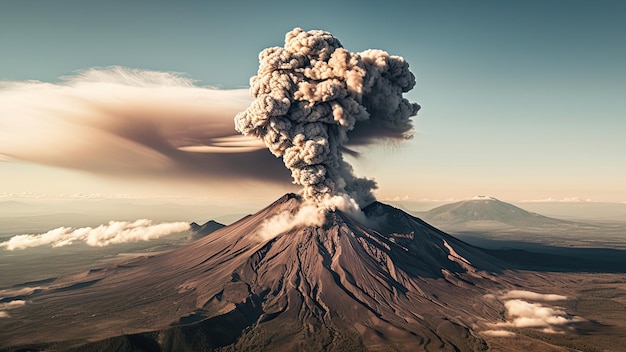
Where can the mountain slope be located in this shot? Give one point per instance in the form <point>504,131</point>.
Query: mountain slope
<point>397,283</point>
<point>486,209</point>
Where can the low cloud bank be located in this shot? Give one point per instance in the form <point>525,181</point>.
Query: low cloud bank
<point>24,291</point>
<point>112,233</point>
<point>520,313</point>
<point>10,305</point>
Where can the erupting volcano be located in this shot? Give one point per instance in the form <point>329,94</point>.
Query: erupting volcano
<point>328,269</point>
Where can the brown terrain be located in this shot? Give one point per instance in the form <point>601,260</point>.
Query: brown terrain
<point>396,284</point>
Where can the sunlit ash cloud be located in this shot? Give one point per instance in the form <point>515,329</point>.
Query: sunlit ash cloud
<point>112,233</point>
<point>127,122</point>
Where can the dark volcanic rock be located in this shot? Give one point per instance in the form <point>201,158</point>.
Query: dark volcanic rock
<point>394,284</point>
<point>205,229</point>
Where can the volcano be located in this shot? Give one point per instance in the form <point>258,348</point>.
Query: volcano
<point>487,210</point>
<point>395,283</point>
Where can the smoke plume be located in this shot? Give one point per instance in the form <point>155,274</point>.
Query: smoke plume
<point>312,95</point>
<point>112,233</point>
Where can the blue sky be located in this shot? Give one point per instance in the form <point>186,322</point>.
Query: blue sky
<point>520,99</point>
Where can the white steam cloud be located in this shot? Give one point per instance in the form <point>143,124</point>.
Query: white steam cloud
<point>112,233</point>
<point>309,213</point>
<point>126,122</point>
<point>312,95</point>
<point>523,314</point>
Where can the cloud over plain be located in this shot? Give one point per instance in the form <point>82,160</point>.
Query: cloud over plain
<point>520,313</point>
<point>112,233</point>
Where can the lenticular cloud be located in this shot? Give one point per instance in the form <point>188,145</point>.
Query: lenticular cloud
<point>312,95</point>
<point>112,233</point>
<point>125,122</point>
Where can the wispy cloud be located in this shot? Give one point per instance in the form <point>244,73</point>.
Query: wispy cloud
<point>498,333</point>
<point>408,198</point>
<point>12,292</point>
<point>558,200</point>
<point>12,305</point>
<point>533,296</point>
<point>124,122</point>
<point>112,233</point>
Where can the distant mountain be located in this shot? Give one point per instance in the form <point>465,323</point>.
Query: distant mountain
<point>205,229</point>
<point>486,210</point>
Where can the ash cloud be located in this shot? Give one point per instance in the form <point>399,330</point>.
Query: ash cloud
<point>125,122</point>
<point>114,232</point>
<point>312,96</point>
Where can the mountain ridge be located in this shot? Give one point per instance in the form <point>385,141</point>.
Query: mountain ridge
<point>486,209</point>
<point>205,229</point>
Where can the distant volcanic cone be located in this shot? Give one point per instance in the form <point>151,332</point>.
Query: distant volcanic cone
<point>340,286</point>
